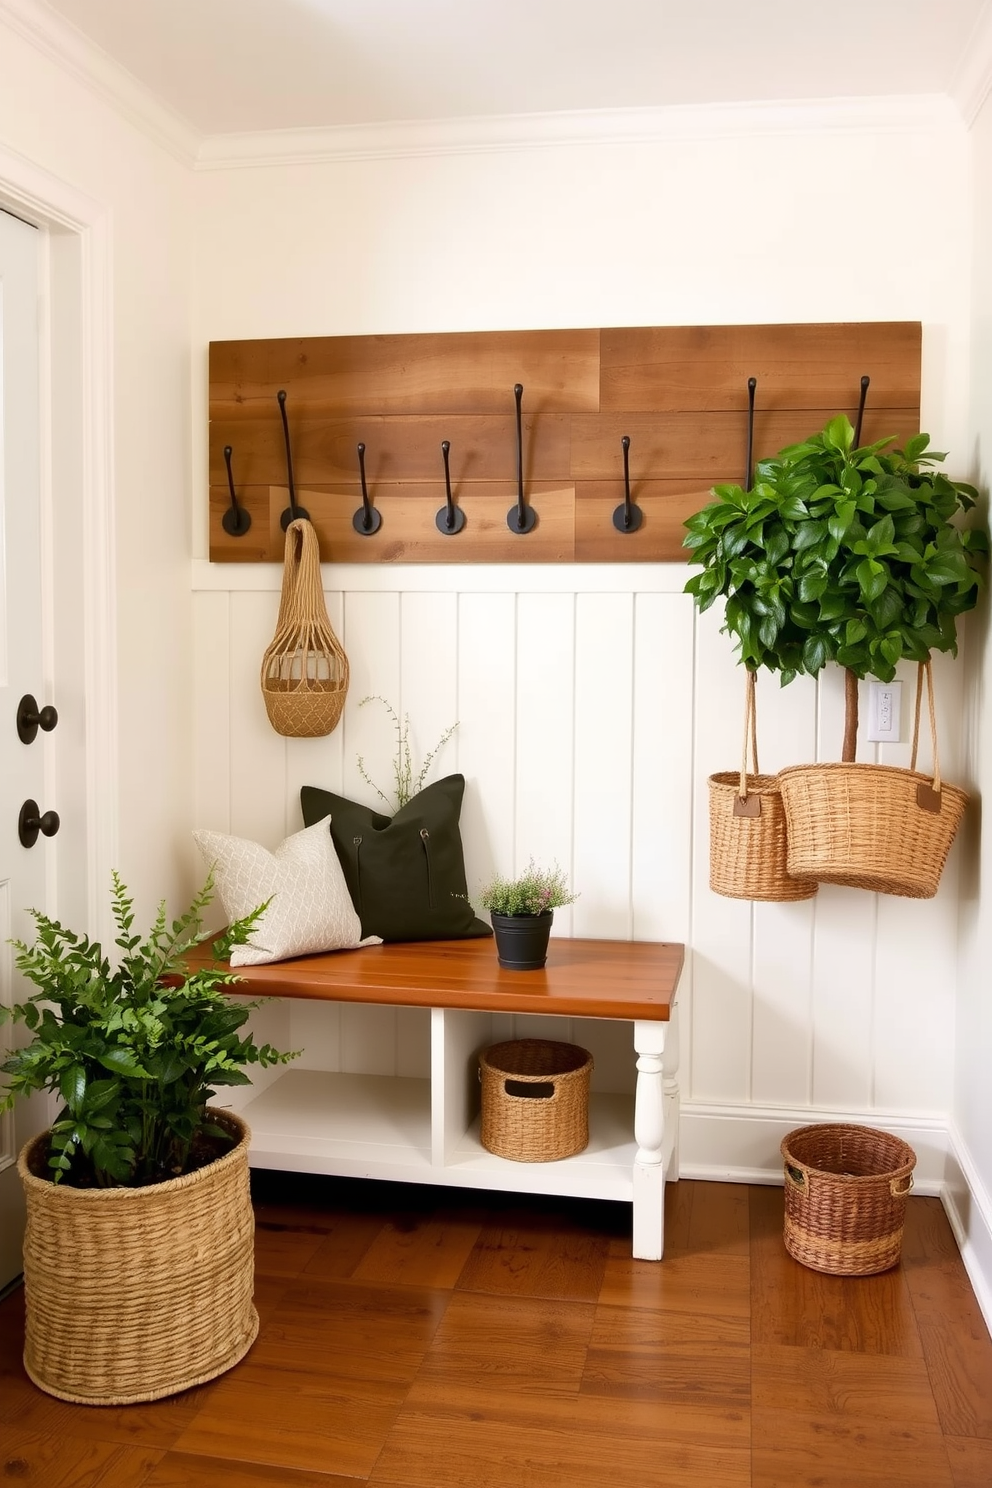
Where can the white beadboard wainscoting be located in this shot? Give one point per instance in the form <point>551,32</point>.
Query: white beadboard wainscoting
<point>592,703</point>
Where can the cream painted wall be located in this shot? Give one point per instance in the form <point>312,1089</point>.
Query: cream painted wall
<point>971,1175</point>
<point>62,128</point>
<point>843,1006</point>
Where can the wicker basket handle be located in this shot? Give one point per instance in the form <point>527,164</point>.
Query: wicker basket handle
<point>900,1193</point>
<point>745,805</point>
<point>523,1089</point>
<point>928,796</point>
<point>795,1176</point>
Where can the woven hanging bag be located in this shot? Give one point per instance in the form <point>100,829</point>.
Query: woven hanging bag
<point>876,827</point>
<point>304,671</point>
<point>748,846</point>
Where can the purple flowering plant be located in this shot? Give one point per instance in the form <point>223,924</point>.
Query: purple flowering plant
<point>535,892</point>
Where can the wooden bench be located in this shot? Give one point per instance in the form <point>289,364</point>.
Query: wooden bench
<point>395,1126</point>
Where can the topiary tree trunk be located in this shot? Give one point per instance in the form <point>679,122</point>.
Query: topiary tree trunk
<point>850,716</point>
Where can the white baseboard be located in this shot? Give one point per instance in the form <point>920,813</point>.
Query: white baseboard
<point>740,1144</point>
<point>969,1211</point>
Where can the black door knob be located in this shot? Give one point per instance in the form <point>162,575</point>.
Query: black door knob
<point>30,823</point>
<point>31,718</point>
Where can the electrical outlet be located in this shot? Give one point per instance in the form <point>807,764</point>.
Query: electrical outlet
<point>884,712</point>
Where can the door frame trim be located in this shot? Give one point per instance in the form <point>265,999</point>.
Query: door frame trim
<point>78,516</point>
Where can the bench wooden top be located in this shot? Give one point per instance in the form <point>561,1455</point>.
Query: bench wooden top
<point>583,978</point>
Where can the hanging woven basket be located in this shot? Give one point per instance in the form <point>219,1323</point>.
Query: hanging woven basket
<point>748,844</point>
<point>875,827</point>
<point>304,671</point>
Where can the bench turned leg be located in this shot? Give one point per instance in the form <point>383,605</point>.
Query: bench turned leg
<point>649,1134</point>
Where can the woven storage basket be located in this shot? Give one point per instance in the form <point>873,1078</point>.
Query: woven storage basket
<point>873,826</point>
<point>305,671</point>
<point>535,1099</point>
<point>748,844</point>
<point>136,1293</point>
<point>845,1198</point>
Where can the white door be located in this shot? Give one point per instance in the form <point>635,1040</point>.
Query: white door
<point>23,871</point>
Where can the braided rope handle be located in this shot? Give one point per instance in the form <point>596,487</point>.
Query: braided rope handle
<point>923,670</point>
<point>750,732</point>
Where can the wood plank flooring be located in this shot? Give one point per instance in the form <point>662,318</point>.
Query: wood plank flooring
<point>412,1338</point>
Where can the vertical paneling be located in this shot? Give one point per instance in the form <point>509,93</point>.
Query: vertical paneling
<point>544,807</point>
<point>604,657</point>
<point>843,942</point>
<point>372,643</point>
<point>258,753</point>
<point>661,754</point>
<point>781,1049</point>
<point>486,734</point>
<point>588,722</point>
<point>718,1028</point>
<point>429,675</point>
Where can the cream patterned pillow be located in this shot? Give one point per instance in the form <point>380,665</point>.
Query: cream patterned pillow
<point>311,908</point>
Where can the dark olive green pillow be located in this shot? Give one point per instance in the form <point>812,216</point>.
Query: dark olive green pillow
<point>405,873</point>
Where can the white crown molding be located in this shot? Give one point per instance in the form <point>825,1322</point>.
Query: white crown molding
<point>70,50</point>
<point>972,82</point>
<point>418,137</point>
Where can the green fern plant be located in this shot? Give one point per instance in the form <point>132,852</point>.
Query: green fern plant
<point>134,1052</point>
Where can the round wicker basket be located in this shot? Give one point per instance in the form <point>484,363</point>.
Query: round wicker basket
<point>845,1197</point>
<point>535,1099</point>
<point>136,1293</point>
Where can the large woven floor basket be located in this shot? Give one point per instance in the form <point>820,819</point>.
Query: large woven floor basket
<point>748,843</point>
<point>137,1293</point>
<point>845,1198</point>
<point>535,1099</point>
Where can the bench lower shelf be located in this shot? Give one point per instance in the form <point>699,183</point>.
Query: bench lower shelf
<point>379,1126</point>
<point>426,1012</point>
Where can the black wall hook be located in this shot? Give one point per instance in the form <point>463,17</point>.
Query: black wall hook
<point>752,383</point>
<point>292,512</point>
<point>450,519</point>
<point>367,519</point>
<point>520,518</point>
<point>628,517</point>
<point>237,519</point>
<point>861,411</point>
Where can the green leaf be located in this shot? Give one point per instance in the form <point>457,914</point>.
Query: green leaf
<point>122,1061</point>
<point>72,1086</point>
<point>815,654</point>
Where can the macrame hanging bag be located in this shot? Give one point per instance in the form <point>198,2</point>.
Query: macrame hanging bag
<point>748,845</point>
<point>876,827</point>
<point>304,671</point>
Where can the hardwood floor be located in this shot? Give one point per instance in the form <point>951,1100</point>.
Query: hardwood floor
<point>419,1339</point>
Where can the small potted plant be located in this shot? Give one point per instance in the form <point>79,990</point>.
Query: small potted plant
<point>138,1251</point>
<point>521,910</point>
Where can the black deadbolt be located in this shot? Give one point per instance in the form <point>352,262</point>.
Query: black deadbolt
<point>30,823</point>
<point>30,719</point>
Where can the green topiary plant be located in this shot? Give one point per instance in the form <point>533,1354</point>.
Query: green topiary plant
<point>841,554</point>
<point>134,1052</point>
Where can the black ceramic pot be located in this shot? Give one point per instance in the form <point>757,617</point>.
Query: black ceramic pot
<point>522,940</point>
